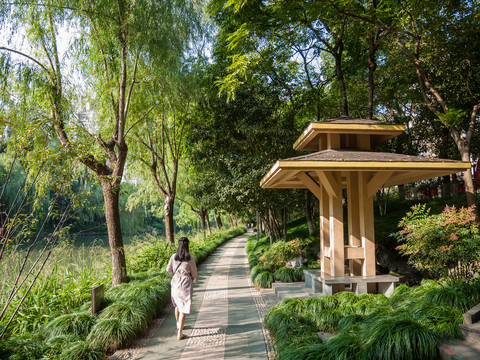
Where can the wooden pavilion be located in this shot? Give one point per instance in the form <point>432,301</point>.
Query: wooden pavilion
<point>344,160</point>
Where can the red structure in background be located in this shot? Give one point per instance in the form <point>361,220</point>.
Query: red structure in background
<point>432,192</point>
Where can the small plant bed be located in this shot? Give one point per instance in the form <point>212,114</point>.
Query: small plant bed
<point>268,262</point>
<point>408,325</point>
<point>77,334</point>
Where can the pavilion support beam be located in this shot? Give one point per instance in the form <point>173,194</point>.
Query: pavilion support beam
<point>324,231</point>
<point>337,252</point>
<point>330,183</point>
<point>310,183</point>
<point>367,230</point>
<point>353,207</point>
<point>377,181</point>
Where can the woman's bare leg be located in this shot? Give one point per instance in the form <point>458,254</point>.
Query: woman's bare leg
<point>181,323</point>
<point>176,316</point>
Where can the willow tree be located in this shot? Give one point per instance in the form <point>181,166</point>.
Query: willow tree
<point>161,145</point>
<point>90,93</point>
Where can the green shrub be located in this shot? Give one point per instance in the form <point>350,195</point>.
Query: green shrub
<point>252,260</point>
<point>83,350</point>
<point>312,304</point>
<point>344,346</point>
<point>286,326</point>
<point>299,274</point>
<point>311,352</point>
<point>255,271</point>
<point>79,323</point>
<point>435,243</point>
<point>126,312</point>
<point>443,320</point>
<point>346,298</point>
<point>250,244</point>
<point>264,280</point>
<point>399,337</point>
<point>277,255</point>
<point>450,296</point>
<point>152,253</point>
<point>57,344</point>
<point>349,321</point>
<point>24,347</point>
<point>285,274</point>
<point>112,333</point>
<point>327,320</point>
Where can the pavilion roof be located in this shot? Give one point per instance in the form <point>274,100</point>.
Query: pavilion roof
<point>378,131</point>
<point>399,169</point>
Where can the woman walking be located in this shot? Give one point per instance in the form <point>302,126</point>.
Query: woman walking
<point>182,266</point>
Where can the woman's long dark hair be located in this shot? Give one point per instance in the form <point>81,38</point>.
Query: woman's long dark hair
<point>183,253</point>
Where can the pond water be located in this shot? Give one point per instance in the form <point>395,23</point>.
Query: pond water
<point>100,239</point>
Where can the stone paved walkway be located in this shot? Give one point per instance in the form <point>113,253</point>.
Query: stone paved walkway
<point>225,322</point>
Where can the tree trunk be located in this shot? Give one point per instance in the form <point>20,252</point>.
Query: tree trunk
<point>382,197</point>
<point>207,220</point>
<point>446,186</point>
<point>401,192</point>
<point>168,214</point>
<point>201,213</point>
<point>115,239</point>
<point>341,81</point>
<point>231,222</point>
<point>468,179</point>
<point>308,213</point>
<point>274,224</point>
<point>372,65</point>
<point>454,185</point>
<point>218,220</point>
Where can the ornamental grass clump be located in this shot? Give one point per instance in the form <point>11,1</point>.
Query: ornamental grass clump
<point>77,323</point>
<point>289,328</point>
<point>58,343</point>
<point>84,350</point>
<point>264,280</point>
<point>112,333</point>
<point>314,351</point>
<point>445,245</point>
<point>128,313</point>
<point>255,271</point>
<point>344,346</point>
<point>285,274</point>
<point>443,320</point>
<point>399,337</point>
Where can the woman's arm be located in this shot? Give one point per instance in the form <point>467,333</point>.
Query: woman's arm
<point>170,265</point>
<point>193,268</point>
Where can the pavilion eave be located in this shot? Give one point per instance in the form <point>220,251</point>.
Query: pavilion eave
<point>284,173</point>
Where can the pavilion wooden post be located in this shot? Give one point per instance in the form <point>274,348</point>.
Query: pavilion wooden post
<point>324,230</point>
<point>337,247</point>
<point>354,209</point>
<point>367,230</point>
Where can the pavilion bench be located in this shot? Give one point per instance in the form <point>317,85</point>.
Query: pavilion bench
<point>324,283</point>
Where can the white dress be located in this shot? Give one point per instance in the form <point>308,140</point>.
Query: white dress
<point>182,284</point>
